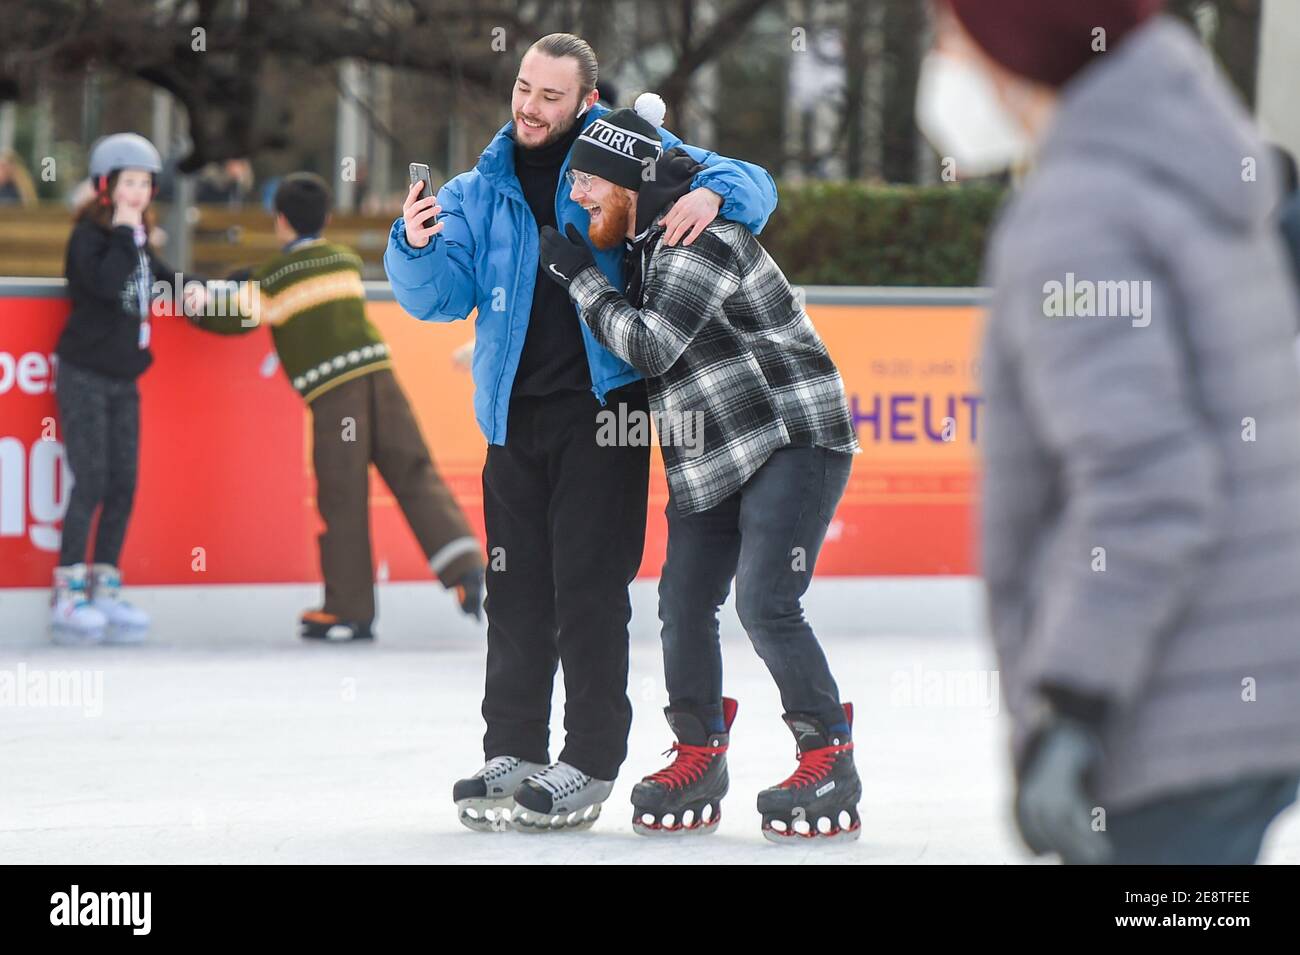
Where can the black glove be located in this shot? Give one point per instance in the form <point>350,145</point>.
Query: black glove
<point>1054,805</point>
<point>563,258</point>
<point>673,173</point>
<point>469,593</point>
<point>675,169</point>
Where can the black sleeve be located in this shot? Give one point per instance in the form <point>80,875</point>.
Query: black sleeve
<point>99,263</point>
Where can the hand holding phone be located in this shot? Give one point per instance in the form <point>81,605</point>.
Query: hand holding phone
<point>420,211</point>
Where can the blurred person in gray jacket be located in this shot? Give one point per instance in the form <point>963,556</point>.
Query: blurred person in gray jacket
<point>1141,488</point>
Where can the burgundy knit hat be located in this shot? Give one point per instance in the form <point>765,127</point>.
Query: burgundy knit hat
<point>1048,40</point>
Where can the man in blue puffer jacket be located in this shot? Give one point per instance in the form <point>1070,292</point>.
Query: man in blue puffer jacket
<point>564,506</point>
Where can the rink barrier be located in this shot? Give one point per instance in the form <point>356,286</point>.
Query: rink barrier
<point>227,491</point>
<point>814,294</point>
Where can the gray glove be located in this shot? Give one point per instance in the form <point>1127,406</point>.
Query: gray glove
<point>1053,805</point>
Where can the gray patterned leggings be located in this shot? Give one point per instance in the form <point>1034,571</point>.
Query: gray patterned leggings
<point>100,421</point>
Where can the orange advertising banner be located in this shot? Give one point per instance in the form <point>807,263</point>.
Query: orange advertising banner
<point>226,491</point>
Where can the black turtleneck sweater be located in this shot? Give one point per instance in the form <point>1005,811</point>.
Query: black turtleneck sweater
<point>554,359</point>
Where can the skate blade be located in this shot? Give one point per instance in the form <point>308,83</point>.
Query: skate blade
<point>336,634</point>
<point>485,815</point>
<point>525,820</point>
<point>657,831</point>
<point>76,638</point>
<point>791,836</point>
<point>126,635</point>
<point>697,827</point>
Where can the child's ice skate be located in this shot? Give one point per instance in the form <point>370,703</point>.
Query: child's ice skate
<point>74,620</point>
<point>319,625</point>
<point>126,622</point>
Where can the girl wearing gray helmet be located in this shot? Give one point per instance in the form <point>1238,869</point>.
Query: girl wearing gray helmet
<point>104,348</point>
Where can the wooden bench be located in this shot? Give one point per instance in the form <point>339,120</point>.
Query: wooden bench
<point>33,240</point>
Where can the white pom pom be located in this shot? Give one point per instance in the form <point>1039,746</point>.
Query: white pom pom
<point>651,108</point>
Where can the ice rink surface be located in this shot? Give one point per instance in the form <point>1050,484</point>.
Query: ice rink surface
<point>265,753</point>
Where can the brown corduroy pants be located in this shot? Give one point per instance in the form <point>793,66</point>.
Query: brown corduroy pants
<point>365,420</point>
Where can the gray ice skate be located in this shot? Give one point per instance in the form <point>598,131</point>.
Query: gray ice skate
<point>560,798</point>
<point>485,801</point>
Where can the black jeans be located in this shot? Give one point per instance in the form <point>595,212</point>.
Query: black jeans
<point>767,536</point>
<point>100,418</point>
<point>565,520</point>
<point>1224,825</point>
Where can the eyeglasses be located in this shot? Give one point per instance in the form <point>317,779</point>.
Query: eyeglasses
<point>580,180</point>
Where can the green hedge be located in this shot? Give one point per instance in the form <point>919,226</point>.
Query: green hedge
<point>852,233</point>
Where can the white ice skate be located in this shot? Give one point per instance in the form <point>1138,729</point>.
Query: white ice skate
<point>486,800</point>
<point>560,798</point>
<point>74,621</point>
<point>126,623</point>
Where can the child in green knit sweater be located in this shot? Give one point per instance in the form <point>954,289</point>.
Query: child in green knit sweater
<point>312,297</point>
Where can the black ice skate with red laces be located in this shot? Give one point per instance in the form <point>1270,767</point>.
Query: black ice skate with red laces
<point>685,797</point>
<point>820,799</point>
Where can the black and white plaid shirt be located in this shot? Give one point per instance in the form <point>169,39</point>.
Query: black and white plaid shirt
<point>723,342</point>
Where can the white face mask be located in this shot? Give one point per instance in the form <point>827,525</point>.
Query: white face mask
<point>958,110</point>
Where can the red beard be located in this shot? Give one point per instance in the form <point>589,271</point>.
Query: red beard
<point>610,227</point>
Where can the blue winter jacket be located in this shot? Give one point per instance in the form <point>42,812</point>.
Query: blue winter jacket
<point>485,258</point>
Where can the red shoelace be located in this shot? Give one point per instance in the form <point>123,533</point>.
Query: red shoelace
<point>690,764</point>
<point>814,765</point>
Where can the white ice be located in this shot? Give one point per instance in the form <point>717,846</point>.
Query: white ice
<point>267,751</point>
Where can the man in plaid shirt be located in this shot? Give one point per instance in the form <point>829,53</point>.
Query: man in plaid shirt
<point>730,356</point>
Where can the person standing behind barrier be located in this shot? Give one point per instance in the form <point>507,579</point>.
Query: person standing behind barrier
<point>16,187</point>
<point>312,298</point>
<point>1141,487</point>
<point>104,348</point>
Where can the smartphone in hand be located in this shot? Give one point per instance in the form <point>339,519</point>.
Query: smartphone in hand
<point>420,173</point>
